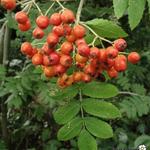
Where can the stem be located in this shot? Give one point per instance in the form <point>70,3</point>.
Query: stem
<point>60,4</point>
<point>1,42</point>
<point>125,53</point>
<point>101,38</point>
<point>128,93</point>
<point>80,98</point>
<point>79,11</point>
<point>49,8</point>
<point>40,11</point>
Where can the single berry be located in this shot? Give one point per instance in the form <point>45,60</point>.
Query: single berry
<point>79,31</point>
<point>37,59</point>
<point>83,50</point>
<point>66,60</point>
<point>67,16</point>
<point>133,57</point>
<point>42,22</point>
<point>52,39</point>
<point>58,30</point>
<point>111,52</point>
<point>21,17</point>
<point>120,44</point>
<point>38,33</point>
<point>46,49</point>
<point>80,59</point>
<point>55,19</point>
<point>25,27</point>
<point>66,48</point>
<point>94,52</point>
<point>26,48</point>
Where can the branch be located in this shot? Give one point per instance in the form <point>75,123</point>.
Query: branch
<point>79,11</point>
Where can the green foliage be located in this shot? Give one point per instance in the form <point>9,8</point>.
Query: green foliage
<point>86,141</point>
<point>106,28</point>
<point>99,90</point>
<point>120,7</point>
<point>70,130</point>
<point>101,109</point>
<point>35,104</point>
<point>98,128</point>
<point>135,11</point>
<point>66,112</point>
<point>142,140</point>
<point>135,106</point>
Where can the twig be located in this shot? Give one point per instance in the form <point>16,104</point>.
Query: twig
<point>60,4</point>
<point>79,11</point>
<point>40,11</point>
<point>49,8</point>
<point>125,53</point>
<point>129,93</point>
<point>101,38</point>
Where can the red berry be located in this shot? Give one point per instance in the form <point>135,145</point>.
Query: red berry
<point>25,27</point>
<point>66,60</point>
<point>133,57</point>
<point>49,71</point>
<point>84,50</point>
<point>86,78</point>
<point>34,51</point>
<point>67,16</point>
<point>123,57</point>
<point>89,69</point>
<point>26,48</point>
<point>52,39</point>
<point>77,76</point>
<point>42,22</point>
<point>8,4</point>
<point>79,31</point>
<point>55,19</point>
<point>66,48</point>
<point>120,44</point>
<point>80,59</point>
<point>46,49</point>
<point>38,33</point>
<point>59,69</point>
<point>37,59</point>
<point>111,52</point>
<point>21,17</point>
<point>67,29</point>
<point>120,65</point>
<point>54,58</point>
<point>58,30</point>
<point>80,41</point>
<point>112,73</point>
<point>94,52</point>
<point>102,55</point>
<point>71,38</point>
<point>46,60</point>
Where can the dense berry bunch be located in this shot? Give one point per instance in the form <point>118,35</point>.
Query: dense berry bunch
<point>65,48</point>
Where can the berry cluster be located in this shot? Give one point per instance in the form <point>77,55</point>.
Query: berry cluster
<point>65,47</point>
